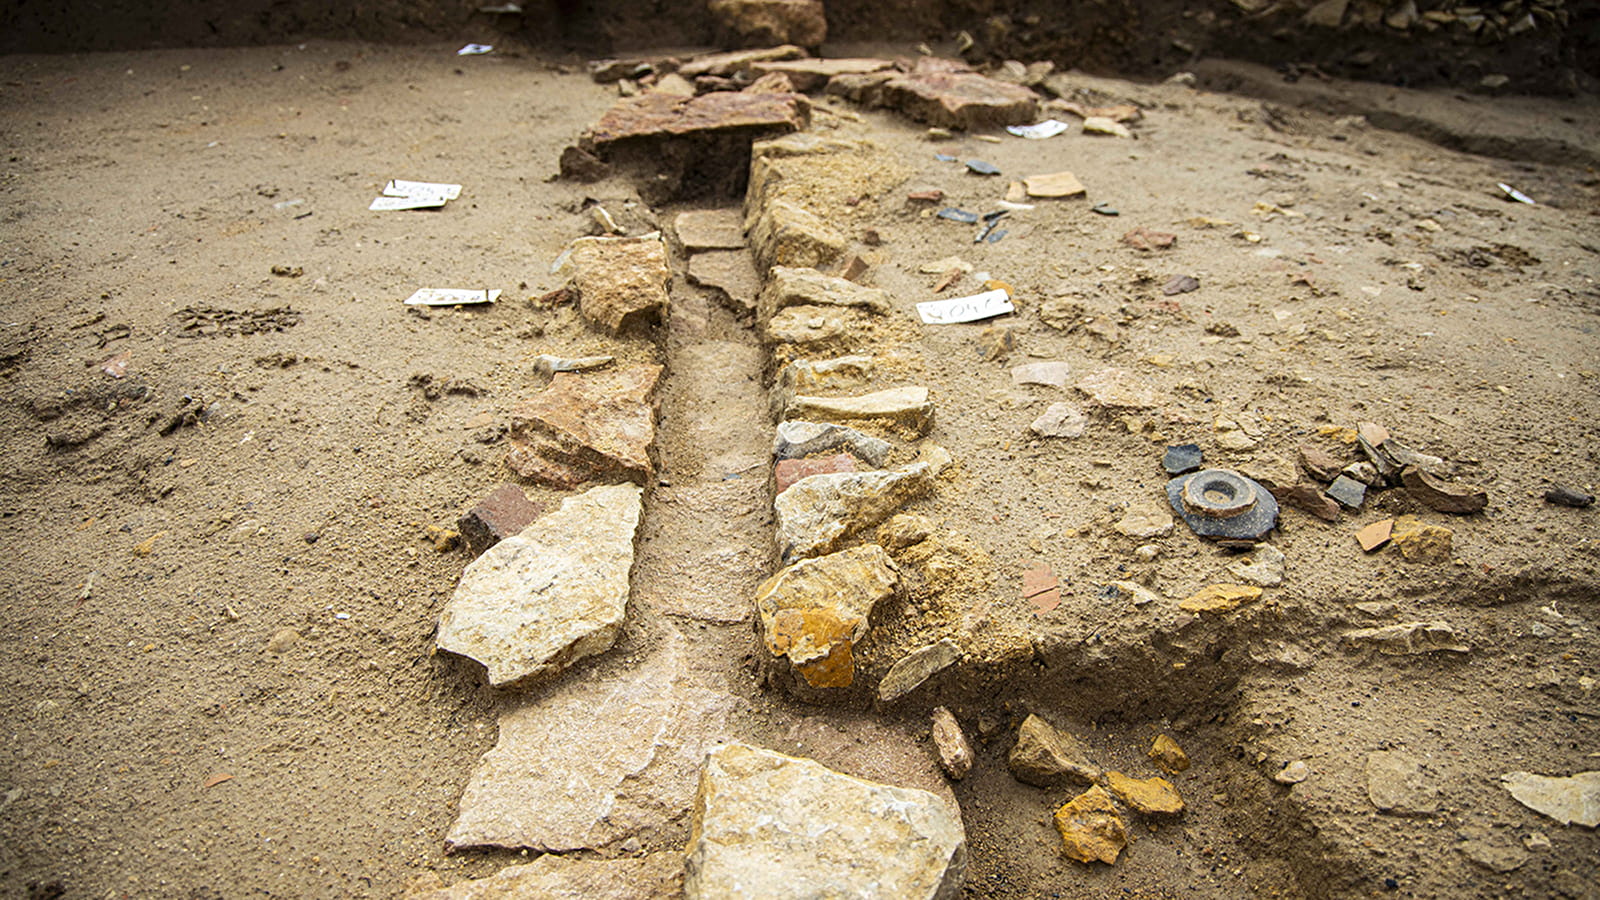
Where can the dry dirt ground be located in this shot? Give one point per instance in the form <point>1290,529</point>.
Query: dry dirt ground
<point>278,446</point>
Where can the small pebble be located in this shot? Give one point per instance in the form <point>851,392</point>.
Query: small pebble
<point>282,640</point>
<point>1561,495</point>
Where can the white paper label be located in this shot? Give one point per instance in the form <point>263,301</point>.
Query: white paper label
<point>451,297</point>
<point>385,204</point>
<point>986,305</point>
<point>1047,129</point>
<point>421,189</point>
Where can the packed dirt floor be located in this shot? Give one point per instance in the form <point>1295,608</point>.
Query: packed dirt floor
<point>279,452</point>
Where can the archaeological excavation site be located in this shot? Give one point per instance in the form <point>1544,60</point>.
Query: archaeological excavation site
<point>800,449</point>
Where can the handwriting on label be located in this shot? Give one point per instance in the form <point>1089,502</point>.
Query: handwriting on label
<point>419,189</point>
<point>451,297</point>
<point>986,305</point>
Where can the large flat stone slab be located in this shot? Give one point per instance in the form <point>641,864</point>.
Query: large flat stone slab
<point>550,595</point>
<point>586,425</point>
<point>656,876</point>
<point>777,827</point>
<point>655,116</point>
<point>945,93</point>
<point>595,761</point>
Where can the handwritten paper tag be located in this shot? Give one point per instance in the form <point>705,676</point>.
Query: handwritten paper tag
<point>420,189</point>
<point>451,297</point>
<point>986,305</point>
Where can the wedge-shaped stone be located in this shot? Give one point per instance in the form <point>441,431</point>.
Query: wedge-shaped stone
<point>786,234</point>
<point>816,514</point>
<point>657,876</point>
<point>782,828</point>
<point>910,671</point>
<point>796,439</point>
<point>596,760</point>
<point>586,425</point>
<point>1046,757</point>
<point>814,612</point>
<point>619,279</point>
<point>789,286</point>
<point>907,408</point>
<point>542,599</point>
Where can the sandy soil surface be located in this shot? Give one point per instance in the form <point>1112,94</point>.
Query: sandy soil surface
<point>276,448</point>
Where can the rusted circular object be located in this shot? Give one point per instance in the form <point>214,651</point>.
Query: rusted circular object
<point>1218,494</point>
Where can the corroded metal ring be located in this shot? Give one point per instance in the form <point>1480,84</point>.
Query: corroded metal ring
<point>1218,494</point>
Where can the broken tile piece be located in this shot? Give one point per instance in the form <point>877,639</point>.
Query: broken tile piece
<point>550,595</point>
<point>1375,535</point>
<point>656,115</point>
<point>1054,184</point>
<point>503,513</point>
<point>1455,499</point>
<point>789,471</point>
<point>1041,588</point>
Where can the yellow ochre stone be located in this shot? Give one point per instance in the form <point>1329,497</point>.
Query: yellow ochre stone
<point>1166,753</point>
<point>1220,598</point>
<point>1151,796</point>
<point>1090,827</point>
